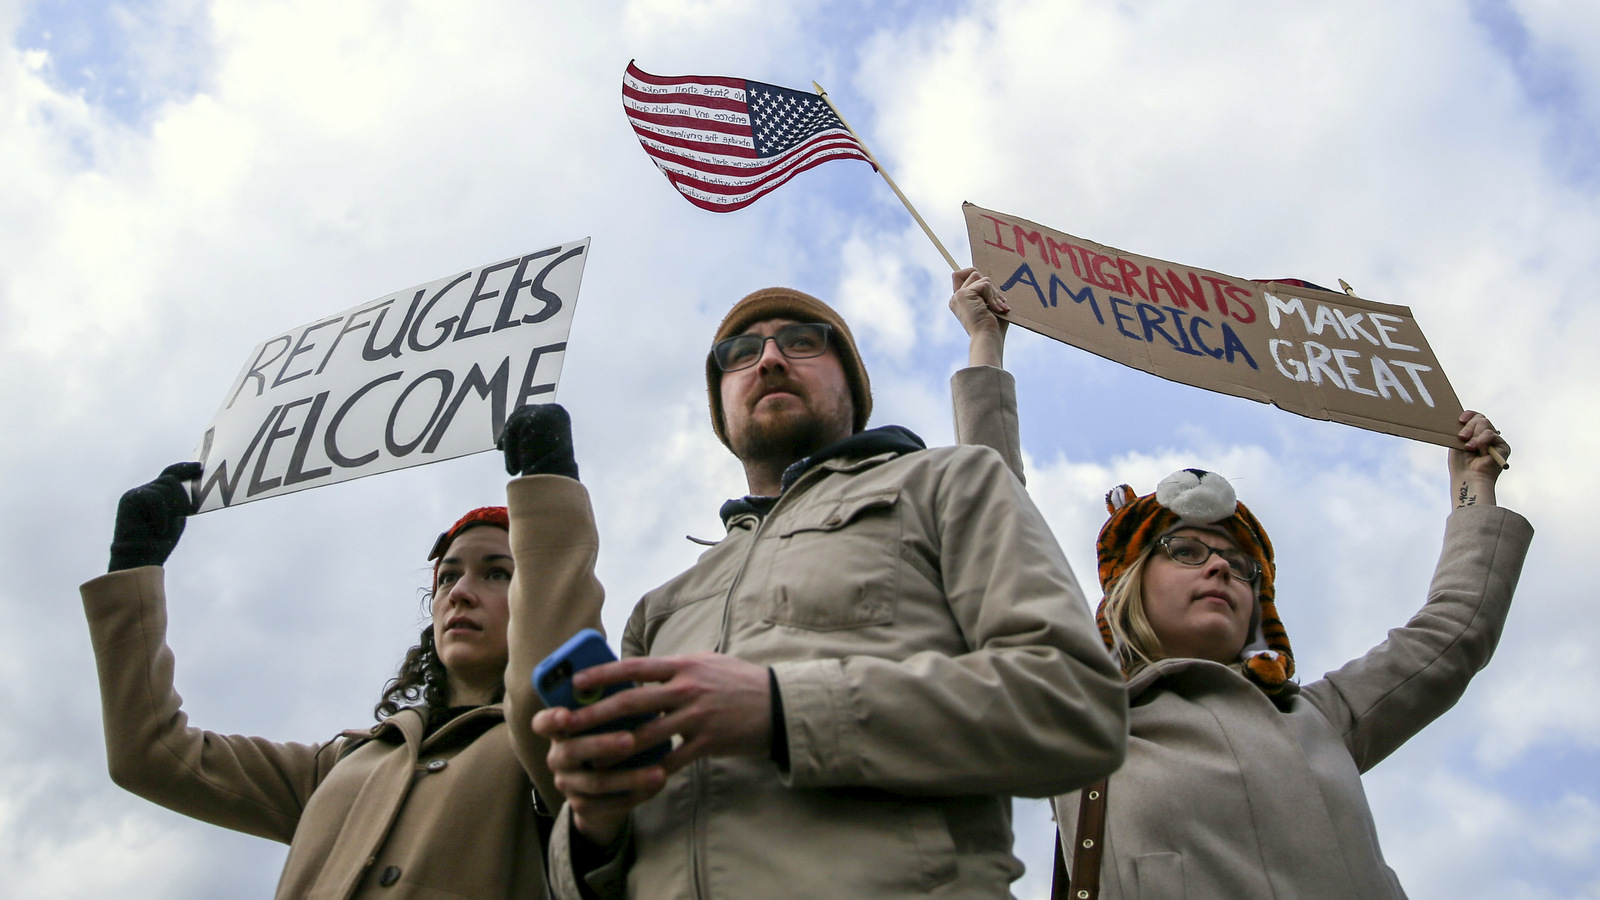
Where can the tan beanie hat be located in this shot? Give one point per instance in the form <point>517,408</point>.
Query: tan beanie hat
<point>788,303</point>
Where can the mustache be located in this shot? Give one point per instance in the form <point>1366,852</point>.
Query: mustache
<point>774,384</point>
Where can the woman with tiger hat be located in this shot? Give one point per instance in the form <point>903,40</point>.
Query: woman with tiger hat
<point>1239,781</point>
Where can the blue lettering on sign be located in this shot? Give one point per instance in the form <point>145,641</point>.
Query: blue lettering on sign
<point>1152,320</point>
<point>1231,343</point>
<point>1194,331</point>
<point>1086,294</point>
<point>1177,319</point>
<point>1024,275</point>
<point>1120,317</point>
<point>1152,317</point>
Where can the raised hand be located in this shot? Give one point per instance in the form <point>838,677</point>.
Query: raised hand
<point>975,302</point>
<point>150,518</point>
<point>1473,472</point>
<point>537,440</point>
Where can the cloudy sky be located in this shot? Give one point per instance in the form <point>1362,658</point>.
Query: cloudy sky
<point>180,179</point>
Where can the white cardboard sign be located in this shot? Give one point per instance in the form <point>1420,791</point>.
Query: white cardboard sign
<point>421,375</point>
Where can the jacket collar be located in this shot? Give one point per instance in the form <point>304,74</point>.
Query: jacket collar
<point>410,726</point>
<point>887,442</point>
<point>1178,670</point>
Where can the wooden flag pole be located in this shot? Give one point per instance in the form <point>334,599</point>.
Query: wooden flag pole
<point>954,266</point>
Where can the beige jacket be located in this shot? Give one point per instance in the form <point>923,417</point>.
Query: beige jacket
<point>934,656</point>
<point>554,595</point>
<point>447,816</point>
<point>1225,794</point>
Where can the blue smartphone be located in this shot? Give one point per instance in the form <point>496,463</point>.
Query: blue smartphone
<point>553,680</point>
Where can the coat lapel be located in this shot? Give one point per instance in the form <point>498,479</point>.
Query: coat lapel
<point>373,812</point>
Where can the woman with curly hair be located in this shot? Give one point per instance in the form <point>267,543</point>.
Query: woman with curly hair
<point>1240,781</point>
<point>432,801</point>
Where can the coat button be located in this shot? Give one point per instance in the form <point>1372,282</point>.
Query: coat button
<point>436,765</point>
<point>389,876</point>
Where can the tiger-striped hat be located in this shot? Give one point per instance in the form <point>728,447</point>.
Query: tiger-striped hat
<point>1195,498</point>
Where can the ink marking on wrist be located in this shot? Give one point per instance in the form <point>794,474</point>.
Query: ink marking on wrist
<point>1465,499</point>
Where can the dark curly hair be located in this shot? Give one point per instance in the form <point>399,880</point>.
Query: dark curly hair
<point>421,677</point>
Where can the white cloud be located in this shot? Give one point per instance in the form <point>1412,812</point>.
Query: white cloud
<point>871,292</point>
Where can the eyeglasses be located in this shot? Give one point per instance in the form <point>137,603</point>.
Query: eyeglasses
<point>1191,552</point>
<point>803,340</point>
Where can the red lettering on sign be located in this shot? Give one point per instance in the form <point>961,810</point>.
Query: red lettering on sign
<point>1240,295</point>
<point>999,235</point>
<point>1157,283</point>
<point>1130,277</point>
<point>1055,250</point>
<point>1023,238</point>
<point>1192,293</point>
<point>1217,284</point>
<point>1102,278</point>
<point>1081,260</point>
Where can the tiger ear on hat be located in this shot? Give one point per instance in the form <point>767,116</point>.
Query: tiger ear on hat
<point>1118,497</point>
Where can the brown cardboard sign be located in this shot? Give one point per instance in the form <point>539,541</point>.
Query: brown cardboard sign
<point>1318,353</point>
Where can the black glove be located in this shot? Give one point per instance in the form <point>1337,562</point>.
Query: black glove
<point>537,440</point>
<point>150,518</point>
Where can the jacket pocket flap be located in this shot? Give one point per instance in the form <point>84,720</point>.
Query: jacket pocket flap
<point>832,517</point>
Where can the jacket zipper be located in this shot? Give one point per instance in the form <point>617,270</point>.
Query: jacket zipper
<point>697,773</point>
<point>755,538</point>
<point>696,844</point>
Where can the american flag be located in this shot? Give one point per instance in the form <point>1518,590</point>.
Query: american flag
<point>725,142</point>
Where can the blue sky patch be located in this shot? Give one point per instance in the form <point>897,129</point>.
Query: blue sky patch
<point>1550,86</point>
<point>125,57</point>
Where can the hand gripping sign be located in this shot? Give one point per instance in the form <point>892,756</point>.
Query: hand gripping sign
<point>1321,354</point>
<point>426,374</point>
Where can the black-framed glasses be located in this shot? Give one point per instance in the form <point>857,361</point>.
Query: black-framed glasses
<point>801,340</point>
<point>1190,551</point>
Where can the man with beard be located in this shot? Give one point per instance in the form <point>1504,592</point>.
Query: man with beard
<point>885,647</point>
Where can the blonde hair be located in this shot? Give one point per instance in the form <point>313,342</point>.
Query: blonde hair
<point>1136,643</point>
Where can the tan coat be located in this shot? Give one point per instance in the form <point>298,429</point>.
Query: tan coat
<point>449,816</point>
<point>934,656</point>
<point>554,595</point>
<point>1225,794</point>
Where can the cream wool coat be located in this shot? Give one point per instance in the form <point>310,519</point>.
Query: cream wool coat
<point>383,813</point>
<point>1224,793</point>
<point>934,656</point>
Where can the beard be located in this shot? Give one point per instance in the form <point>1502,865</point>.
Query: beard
<point>783,438</point>
<point>790,435</point>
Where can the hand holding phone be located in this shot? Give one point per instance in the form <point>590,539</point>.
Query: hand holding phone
<point>552,679</point>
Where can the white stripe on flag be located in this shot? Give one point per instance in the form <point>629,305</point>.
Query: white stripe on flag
<point>771,167</point>
<point>684,87</point>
